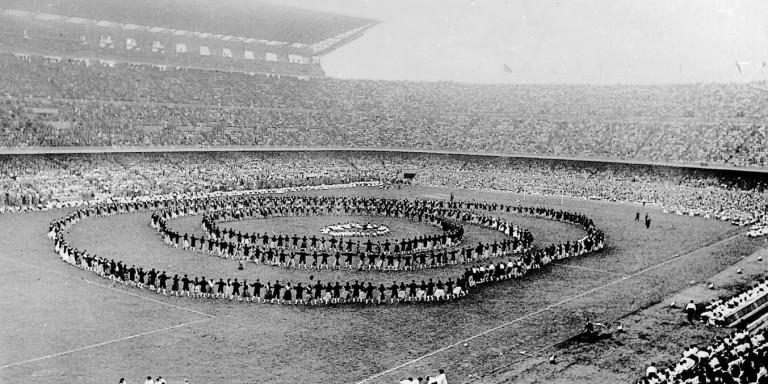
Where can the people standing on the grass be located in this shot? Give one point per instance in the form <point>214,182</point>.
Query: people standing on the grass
<point>690,310</point>
<point>426,252</point>
<point>482,271</point>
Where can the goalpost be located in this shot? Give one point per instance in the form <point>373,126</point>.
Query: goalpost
<point>543,194</point>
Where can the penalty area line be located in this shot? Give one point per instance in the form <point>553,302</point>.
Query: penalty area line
<point>103,343</point>
<point>111,288</point>
<point>542,310</point>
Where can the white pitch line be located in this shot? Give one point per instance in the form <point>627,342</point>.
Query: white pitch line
<point>590,269</point>
<point>103,343</point>
<point>112,288</point>
<point>551,306</point>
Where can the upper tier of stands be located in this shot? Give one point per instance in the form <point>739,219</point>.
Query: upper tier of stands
<point>245,18</point>
<point>237,35</point>
<point>59,102</point>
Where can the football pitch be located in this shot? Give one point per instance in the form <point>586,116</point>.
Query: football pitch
<point>61,324</point>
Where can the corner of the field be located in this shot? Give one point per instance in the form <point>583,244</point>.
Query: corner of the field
<point>726,283</point>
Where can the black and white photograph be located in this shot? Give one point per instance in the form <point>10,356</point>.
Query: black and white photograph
<point>384,191</point>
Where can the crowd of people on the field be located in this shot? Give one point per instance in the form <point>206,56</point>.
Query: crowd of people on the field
<point>297,251</point>
<point>740,358</point>
<point>62,103</point>
<point>314,292</point>
<point>720,312</point>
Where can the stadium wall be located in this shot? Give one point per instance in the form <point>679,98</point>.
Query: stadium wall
<point>589,160</point>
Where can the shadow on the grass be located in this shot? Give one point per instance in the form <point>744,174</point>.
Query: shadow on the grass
<point>584,338</point>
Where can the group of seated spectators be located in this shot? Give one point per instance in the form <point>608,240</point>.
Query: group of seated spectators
<point>42,181</point>
<point>69,103</point>
<point>698,192</point>
<point>740,358</point>
<point>720,312</point>
<point>37,180</point>
<point>760,228</point>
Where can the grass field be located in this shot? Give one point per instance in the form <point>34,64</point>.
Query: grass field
<point>66,325</point>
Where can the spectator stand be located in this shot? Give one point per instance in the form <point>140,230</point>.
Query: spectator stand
<point>748,309</point>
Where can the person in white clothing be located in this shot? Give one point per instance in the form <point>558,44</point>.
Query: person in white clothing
<point>440,378</point>
<point>651,369</point>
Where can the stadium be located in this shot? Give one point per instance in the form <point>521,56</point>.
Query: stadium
<point>188,194</point>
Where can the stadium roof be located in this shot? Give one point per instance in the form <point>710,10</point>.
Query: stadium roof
<point>247,18</point>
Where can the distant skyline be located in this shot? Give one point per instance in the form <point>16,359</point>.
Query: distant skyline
<point>562,41</point>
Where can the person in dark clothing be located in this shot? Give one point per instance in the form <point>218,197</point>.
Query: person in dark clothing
<point>690,311</point>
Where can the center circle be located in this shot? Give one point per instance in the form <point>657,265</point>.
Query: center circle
<point>355,229</point>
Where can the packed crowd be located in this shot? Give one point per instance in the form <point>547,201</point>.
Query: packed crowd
<point>315,292</point>
<point>759,229</point>
<point>711,102</point>
<point>62,103</point>
<point>740,358</point>
<point>46,181</point>
<point>696,192</point>
<point>425,251</point>
<point>41,181</point>
<point>319,206</point>
<point>722,312</point>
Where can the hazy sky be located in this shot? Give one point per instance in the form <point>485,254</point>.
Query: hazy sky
<point>562,41</point>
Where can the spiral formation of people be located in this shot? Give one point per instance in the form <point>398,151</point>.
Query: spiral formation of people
<point>514,256</point>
